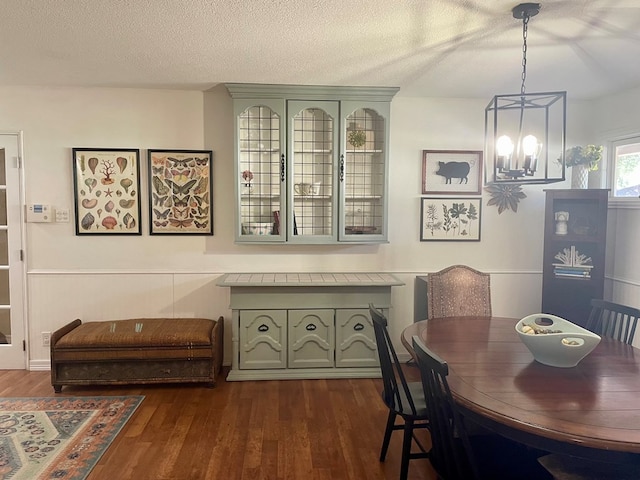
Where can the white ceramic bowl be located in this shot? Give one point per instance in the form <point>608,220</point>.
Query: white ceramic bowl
<point>257,228</point>
<point>562,349</point>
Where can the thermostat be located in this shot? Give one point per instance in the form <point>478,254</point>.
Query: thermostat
<point>38,212</point>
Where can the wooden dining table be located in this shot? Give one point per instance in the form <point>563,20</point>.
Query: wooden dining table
<point>591,410</point>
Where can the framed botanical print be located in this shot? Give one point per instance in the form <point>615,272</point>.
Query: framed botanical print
<point>107,191</point>
<point>451,172</point>
<point>450,219</point>
<point>180,191</point>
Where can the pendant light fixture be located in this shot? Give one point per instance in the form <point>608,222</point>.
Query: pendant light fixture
<point>524,132</point>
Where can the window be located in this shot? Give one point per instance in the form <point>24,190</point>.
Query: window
<point>626,168</point>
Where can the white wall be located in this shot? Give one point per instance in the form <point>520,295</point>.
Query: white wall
<point>618,116</point>
<point>95,277</point>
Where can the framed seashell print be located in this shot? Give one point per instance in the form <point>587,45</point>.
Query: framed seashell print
<point>106,185</point>
<point>180,191</point>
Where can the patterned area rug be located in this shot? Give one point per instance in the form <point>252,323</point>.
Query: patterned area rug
<point>58,437</point>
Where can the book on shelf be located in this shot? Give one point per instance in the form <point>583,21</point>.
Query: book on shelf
<point>577,274</point>
<point>569,268</point>
<point>564,265</point>
<point>572,270</point>
<point>571,275</point>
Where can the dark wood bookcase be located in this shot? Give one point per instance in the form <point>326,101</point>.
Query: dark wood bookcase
<point>569,283</point>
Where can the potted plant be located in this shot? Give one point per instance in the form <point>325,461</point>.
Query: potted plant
<point>583,159</point>
<point>589,156</point>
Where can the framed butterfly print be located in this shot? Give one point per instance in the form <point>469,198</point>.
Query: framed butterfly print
<point>180,190</point>
<point>106,185</point>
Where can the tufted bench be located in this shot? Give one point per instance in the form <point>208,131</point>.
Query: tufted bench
<point>141,350</point>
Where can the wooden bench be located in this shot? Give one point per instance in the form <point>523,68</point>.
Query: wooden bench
<point>142,350</point>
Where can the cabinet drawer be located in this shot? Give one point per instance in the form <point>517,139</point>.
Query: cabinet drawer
<point>311,338</point>
<point>355,339</point>
<point>263,339</point>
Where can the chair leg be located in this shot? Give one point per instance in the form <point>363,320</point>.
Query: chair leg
<point>406,448</point>
<point>391,421</point>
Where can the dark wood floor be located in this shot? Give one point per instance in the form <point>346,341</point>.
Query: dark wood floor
<point>267,430</point>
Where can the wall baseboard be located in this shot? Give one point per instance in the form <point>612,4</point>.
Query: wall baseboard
<point>40,365</point>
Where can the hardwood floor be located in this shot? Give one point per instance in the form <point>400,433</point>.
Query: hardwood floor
<point>267,430</point>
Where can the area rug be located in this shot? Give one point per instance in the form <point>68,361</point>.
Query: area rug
<point>59,437</point>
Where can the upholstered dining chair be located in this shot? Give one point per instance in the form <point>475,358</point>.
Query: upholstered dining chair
<point>402,398</point>
<point>458,290</point>
<point>456,455</point>
<point>613,320</point>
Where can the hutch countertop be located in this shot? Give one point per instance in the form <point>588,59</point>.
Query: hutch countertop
<point>307,279</point>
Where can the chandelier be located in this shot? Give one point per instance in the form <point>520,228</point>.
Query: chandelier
<point>524,135</point>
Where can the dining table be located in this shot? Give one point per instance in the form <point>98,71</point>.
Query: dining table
<point>591,410</point>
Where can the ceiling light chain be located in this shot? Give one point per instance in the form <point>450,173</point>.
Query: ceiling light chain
<point>525,24</point>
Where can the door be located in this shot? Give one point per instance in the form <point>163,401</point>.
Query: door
<point>260,170</point>
<point>263,339</point>
<point>313,148</point>
<point>311,338</point>
<point>364,171</point>
<point>12,353</point>
<point>355,338</point>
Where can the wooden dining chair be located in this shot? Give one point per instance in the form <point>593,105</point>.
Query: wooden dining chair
<point>402,398</point>
<point>458,290</point>
<point>456,455</point>
<point>613,320</point>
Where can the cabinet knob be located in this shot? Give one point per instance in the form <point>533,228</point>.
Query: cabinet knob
<point>282,168</point>
<point>263,328</point>
<point>342,167</point>
<point>311,327</point>
<point>358,326</point>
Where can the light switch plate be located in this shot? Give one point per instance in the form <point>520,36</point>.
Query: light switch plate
<point>62,215</point>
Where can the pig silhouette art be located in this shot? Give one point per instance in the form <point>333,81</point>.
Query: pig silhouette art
<point>451,170</point>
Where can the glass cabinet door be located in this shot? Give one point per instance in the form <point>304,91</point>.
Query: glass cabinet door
<point>313,143</point>
<point>363,172</point>
<point>260,172</point>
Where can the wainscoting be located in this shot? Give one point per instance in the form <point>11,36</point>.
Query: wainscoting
<point>57,297</point>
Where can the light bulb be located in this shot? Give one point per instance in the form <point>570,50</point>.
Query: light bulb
<point>504,146</point>
<point>530,146</point>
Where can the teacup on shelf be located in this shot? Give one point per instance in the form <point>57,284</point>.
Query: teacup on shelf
<point>306,189</point>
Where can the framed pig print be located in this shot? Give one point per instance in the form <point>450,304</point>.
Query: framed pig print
<point>451,172</point>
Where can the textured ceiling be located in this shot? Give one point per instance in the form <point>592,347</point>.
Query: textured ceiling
<point>446,48</point>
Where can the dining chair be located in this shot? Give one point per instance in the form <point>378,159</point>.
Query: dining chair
<point>456,455</point>
<point>565,467</point>
<point>613,320</point>
<point>402,398</point>
<point>458,290</point>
